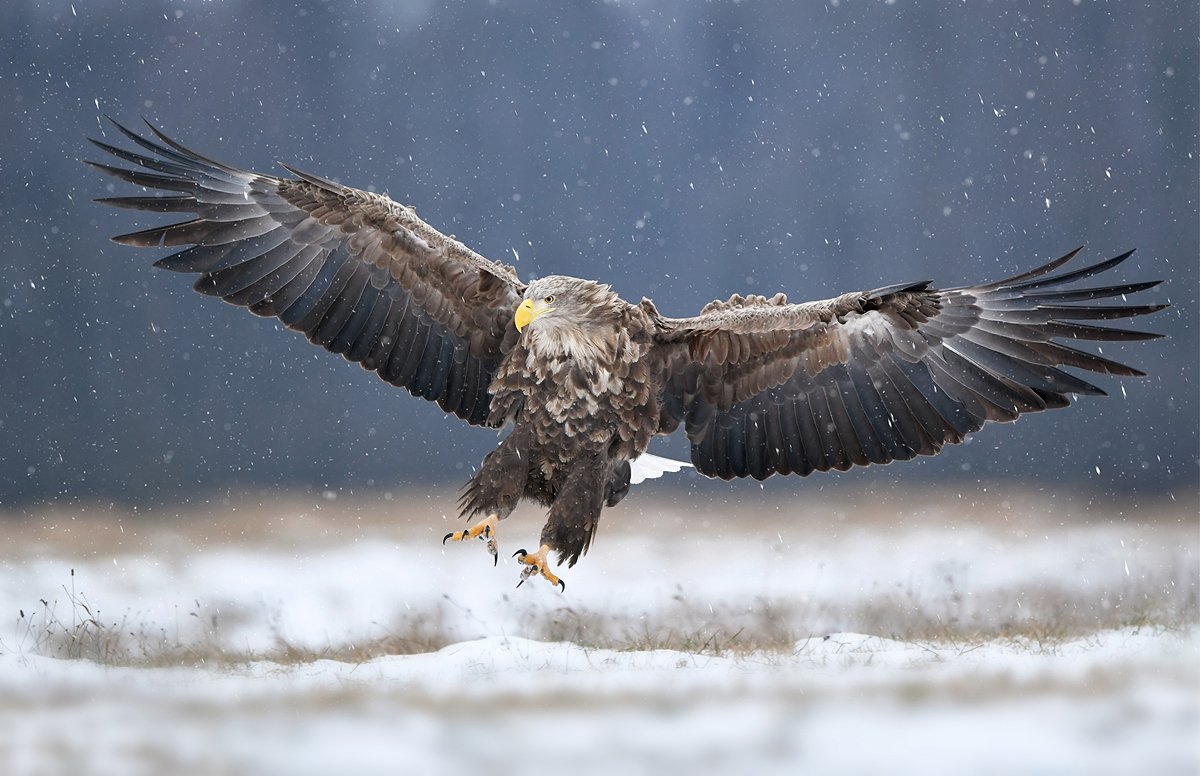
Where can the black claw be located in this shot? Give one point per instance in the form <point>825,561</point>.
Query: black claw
<point>447,536</point>
<point>495,560</point>
<point>521,582</point>
<point>563,585</point>
<point>519,552</point>
<point>487,531</point>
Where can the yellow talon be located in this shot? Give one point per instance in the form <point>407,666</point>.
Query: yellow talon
<point>484,529</point>
<point>535,563</point>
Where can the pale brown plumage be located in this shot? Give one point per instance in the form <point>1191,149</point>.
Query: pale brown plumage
<point>760,385</point>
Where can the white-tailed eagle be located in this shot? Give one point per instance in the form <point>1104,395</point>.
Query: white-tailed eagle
<point>585,379</point>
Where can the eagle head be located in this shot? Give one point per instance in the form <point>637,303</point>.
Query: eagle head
<point>557,302</point>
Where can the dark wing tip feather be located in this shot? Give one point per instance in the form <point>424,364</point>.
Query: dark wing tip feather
<point>1033,273</point>
<point>166,204</point>
<point>146,238</point>
<point>1079,274</point>
<point>105,147</point>
<point>177,146</point>
<point>107,169</point>
<point>1102,312</point>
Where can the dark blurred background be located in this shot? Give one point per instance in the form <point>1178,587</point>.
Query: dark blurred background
<point>680,150</point>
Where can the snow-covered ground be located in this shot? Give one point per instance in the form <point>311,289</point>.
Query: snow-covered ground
<point>1043,636</point>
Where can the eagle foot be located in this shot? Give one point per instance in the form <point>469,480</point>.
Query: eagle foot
<point>485,529</point>
<point>536,563</point>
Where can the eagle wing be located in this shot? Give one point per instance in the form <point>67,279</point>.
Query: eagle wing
<point>357,273</point>
<point>763,386</point>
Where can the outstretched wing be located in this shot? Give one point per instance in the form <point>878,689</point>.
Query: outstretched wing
<point>357,273</point>
<point>763,386</point>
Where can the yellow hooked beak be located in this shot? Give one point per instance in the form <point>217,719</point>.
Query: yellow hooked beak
<point>529,311</point>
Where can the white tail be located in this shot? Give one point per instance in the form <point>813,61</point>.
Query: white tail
<point>651,467</point>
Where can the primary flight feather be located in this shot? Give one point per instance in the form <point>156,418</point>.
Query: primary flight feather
<point>585,379</point>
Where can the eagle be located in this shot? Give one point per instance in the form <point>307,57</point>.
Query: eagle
<point>584,379</point>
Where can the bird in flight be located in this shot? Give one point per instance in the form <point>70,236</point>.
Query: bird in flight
<point>584,380</point>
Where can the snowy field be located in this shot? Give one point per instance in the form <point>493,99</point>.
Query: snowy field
<point>322,636</point>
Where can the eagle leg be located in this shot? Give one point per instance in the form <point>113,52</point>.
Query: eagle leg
<point>536,562</point>
<point>485,529</point>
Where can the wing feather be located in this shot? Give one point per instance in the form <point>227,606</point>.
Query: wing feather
<point>355,272</point>
<point>260,297</point>
<point>797,460</point>
<point>764,387</point>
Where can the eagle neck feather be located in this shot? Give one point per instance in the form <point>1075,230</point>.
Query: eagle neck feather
<point>583,344</point>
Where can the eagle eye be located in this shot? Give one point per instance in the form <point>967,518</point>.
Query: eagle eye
<point>549,299</point>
